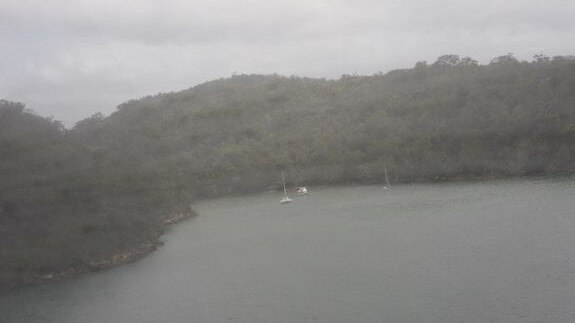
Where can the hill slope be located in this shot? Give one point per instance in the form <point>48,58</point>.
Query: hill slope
<point>448,119</point>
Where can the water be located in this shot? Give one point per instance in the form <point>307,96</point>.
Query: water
<point>500,251</point>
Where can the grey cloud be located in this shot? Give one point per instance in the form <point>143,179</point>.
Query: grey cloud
<point>72,58</point>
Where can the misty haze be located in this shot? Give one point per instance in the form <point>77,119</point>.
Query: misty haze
<point>287,161</point>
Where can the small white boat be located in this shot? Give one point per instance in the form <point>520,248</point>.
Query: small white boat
<point>302,191</point>
<point>286,199</point>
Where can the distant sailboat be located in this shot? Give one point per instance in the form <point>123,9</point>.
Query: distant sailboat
<point>387,183</point>
<point>286,199</point>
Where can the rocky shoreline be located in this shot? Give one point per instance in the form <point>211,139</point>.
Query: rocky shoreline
<point>115,260</point>
<point>120,258</point>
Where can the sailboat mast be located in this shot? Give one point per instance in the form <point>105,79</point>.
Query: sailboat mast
<point>284,183</point>
<point>386,177</point>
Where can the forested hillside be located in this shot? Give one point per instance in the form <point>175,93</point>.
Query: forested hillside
<point>65,210</point>
<point>448,119</point>
<point>71,197</point>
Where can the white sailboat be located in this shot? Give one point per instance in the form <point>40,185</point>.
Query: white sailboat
<point>286,199</point>
<point>387,183</point>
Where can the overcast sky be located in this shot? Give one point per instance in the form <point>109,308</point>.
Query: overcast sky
<point>72,58</point>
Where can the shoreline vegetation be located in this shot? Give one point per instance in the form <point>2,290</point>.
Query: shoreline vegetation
<point>124,257</point>
<point>94,195</point>
<point>119,258</point>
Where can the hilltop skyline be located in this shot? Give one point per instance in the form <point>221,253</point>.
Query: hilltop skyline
<point>70,59</point>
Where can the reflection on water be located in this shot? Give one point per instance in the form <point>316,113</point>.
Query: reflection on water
<point>498,251</point>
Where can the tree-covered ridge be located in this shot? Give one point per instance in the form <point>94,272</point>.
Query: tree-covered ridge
<point>61,212</point>
<point>450,118</point>
<point>73,198</point>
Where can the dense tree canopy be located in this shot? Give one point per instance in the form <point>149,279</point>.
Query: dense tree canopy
<point>450,118</point>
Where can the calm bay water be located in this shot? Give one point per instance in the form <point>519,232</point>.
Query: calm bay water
<point>499,251</point>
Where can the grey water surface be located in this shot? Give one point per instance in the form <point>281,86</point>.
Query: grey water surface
<point>492,251</point>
